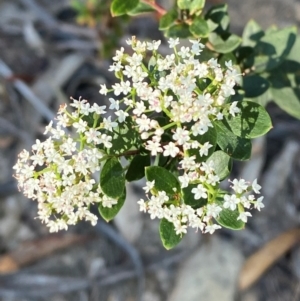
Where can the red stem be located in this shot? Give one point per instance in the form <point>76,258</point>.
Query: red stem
<point>161,11</point>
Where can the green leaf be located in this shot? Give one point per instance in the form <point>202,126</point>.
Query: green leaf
<point>227,57</point>
<point>255,85</point>
<point>196,6</point>
<point>168,235</point>
<point>199,28</point>
<point>136,170</point>
<point>112,180</point>
<point>222,164</point>
<point>181,31</point>
<point>164,180</point>
<point>252,34</point>
<point>122,7</point>
<point>224,45</point>
<point>294,53</point>
<point>263,99</point>
<point>126,137</point>
<point>109,213</point>
<point>192,5</point>
<point>228,218</point>
<point>252,121</point>
<point>189,197</point>
<point>211,137</point>
<point>236,147</point>
<point>184,4</point>
<point>141,8</point>
<point>152,63</point>
<point>168,19</point>
<point>218,15</point>
<point>272,49</point>
<point>288,99</point>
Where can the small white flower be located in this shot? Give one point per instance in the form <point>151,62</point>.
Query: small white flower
<point>239,186</point>
<point>171,150</point>
<point>255,187</point>
<point>211,228</point>
<point>173,42</point>
<point>149,186</point>
<point>259,204</point>
<point>200,192</point>
<point>204,149</point>
<point>103,90</point>
<point>121,115</point>
<point>244,216</point>
<point>234,109</point>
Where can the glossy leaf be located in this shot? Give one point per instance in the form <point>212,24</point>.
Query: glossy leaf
<point>253,120</point>
<point>236,147</point>
<point>136,170</point>
<point>164,180</point>
<point>109,213</point>
<point>168,235</point>
<point>122,7</point>
<point>112,180</point>
<point>199,28</point>
<point>222,164</point>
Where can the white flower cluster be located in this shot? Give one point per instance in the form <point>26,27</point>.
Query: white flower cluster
<point>171,87</point>
<point>58,174</point>
<point>159,205</point>
<point>171,104</point>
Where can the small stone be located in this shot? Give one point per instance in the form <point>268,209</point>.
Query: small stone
<point>211,273</point>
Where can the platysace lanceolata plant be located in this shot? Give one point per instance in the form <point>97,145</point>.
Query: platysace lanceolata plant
<point>173,122</point>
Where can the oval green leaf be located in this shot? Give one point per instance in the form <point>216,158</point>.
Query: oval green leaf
<point>224,45</point>
<point>288,99</point>
<point>236,147</point>
<point>168,19</point>
<point>122,7</point>
<point>112,180</point>
<point>222,164</point>
<point>136,170</point>
<point>141,8</point>
<point>228,218</point>
<point>109,213</point>
<point>255,85</point>
<point>179,31</point>
<point>164,180</point>
<point>199,28</point>
<point>252,121</point>
<point>168,235</point>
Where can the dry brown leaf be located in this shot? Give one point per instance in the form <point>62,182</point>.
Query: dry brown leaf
<point>257,264</point>
<point>32,251</point>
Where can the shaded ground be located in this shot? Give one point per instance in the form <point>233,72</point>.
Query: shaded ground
<point>56,58</point>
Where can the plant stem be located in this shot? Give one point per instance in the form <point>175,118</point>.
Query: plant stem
<point>161,11</point>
